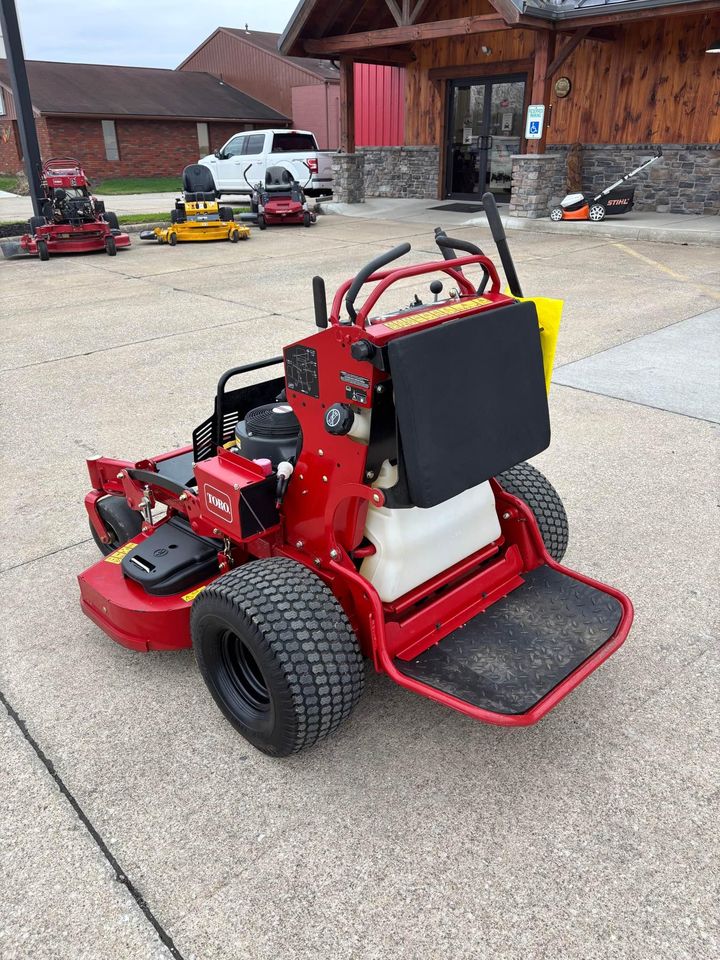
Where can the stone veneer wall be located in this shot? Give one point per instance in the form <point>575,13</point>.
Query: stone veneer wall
<point>538,182</point>
<point>348,177</point>
<point>401,171</point>
<point>686,180</point>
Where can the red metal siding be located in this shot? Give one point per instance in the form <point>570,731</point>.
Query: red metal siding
<point>379,105</point>
<point>256,72</point>
<point>315,108</point>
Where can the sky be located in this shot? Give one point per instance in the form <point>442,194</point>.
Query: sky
<point>143,33</point>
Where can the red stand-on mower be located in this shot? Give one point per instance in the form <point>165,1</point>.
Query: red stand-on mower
<point>371,501</point>
<point>72,221</point>
<point>281,200</point>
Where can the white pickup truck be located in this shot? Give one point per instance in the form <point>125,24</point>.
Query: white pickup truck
<point>296,150</point>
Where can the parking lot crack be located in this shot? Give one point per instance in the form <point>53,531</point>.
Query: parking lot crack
<point>120,874</point>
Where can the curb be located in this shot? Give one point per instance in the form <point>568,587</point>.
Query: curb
<point>609,232</point>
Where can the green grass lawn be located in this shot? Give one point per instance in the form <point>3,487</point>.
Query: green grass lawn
<point>139,185</point>
<point>8,181</point>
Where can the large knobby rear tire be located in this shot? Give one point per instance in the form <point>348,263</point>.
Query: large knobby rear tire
<point>529,485</point>
<point>277,653</point>
<point>121,522</point>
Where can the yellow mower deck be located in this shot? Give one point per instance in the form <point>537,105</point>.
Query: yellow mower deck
<point>202,223</point>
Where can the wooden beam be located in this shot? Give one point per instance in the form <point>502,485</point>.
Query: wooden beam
<point>389,56</point>
<point>507,10</point>
<point>603,34</point>
<point>347,106</point>
<point>544,56</point>
<point>395,11</point>
<point>572,44</point>
<point>419,7</point>
<point>493,68</point>
<point>391,36</point>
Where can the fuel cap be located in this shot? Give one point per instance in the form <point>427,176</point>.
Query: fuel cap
<point>339,419</point>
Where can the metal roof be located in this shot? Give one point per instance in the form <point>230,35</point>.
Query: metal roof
<point>270,42</point>
<point>89,89</point>
<point>567,9</point>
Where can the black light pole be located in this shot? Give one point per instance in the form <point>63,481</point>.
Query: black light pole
<point>21,95</point>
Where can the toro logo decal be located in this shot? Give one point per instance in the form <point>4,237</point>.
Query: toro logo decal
<point>218,503</point>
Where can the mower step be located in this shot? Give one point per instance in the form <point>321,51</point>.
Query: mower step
<point>512,655</point>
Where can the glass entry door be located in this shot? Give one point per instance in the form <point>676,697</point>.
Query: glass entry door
<point>484,131</point>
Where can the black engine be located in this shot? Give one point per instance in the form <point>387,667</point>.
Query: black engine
<point>270,432</point>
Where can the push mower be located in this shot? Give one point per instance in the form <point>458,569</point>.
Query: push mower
<point>197,214</point>
<point>373,500</point>
<point>281,200</point>
<point>611,202</point>
<point>72,221</point>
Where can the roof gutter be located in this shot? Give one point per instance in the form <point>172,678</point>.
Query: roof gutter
<point>627,6</point>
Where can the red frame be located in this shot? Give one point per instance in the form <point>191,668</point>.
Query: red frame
<point>323,517</point>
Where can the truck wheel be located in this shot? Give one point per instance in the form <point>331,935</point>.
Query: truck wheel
<point>121,522</point>
<point>110,246</point>
<point>42,249</point>
<point>532,487</point>
<point>112,220</point>
<point>277,653</point>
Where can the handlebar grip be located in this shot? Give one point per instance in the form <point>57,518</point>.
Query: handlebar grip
<point>498,232</point>
<point>448,246</point>
<point>368,270</point>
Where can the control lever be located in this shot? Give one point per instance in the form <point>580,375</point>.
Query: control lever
<point>436,288</point>
<point>284,472</point>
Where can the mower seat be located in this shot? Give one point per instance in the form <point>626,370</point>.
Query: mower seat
<point>279,177</point>
<point>197,179</point>
<point>470,401</point>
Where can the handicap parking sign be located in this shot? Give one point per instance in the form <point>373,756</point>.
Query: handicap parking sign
<point>534,124</point>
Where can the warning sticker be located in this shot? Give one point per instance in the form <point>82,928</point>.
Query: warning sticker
<point>354,379</point>
<point>447,311</point>
<point>189,597</point>
<point>117,556</point>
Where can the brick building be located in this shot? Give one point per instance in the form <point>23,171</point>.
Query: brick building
<point>127,121</point>
<point>305,88</point>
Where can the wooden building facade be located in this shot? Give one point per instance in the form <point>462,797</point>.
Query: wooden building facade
<point>618,78</point>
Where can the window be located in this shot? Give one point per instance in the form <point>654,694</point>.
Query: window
<point>235,147</point>
<point>293,142</point>
<point>203,139</point>
<point>110,138</point>
<point>254,145</point>
<point>2,103</point>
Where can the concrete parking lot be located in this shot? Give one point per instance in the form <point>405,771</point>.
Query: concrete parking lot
<point>137,824</point>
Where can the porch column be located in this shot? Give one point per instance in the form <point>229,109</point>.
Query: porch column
<point>541,82</point>
<point>347,105</point>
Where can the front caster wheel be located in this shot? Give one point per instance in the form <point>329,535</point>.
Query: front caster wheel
<point>234,236</point>
<point>556,214</point>
<point>261,222</point>
<point>278,654</point>
<point>110,246</point>
<point>121,522</point>
<point>172,239</point>
<point>529,485</point>
<point>42,249</point>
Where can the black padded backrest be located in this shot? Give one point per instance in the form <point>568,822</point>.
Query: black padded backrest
<point>198,179</point>
<point>470,400</point>
<point>278,176</point>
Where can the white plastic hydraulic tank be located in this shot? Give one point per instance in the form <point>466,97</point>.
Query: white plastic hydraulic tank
<point>414,545</point>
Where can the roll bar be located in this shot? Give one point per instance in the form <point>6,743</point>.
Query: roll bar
<point>366,272</point>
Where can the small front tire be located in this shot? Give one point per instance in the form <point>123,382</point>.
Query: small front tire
<point>42,249</point>
<point>234,236</point>
<point>110,246</point>
<point>121,522</point>
<point>172,239</point>
<point>556,214</point>
<point>261,222</point>
<point>596,212</point>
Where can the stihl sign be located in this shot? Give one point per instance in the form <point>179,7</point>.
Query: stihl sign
<point>218,503</point>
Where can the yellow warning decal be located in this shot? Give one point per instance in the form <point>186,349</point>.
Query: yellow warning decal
<point>117,556</point>
<point>447,311</point>
<point>189,597</point>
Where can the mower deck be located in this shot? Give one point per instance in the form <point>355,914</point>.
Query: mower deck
<point>510,657</point>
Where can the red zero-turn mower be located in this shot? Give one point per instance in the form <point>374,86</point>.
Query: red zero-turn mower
<point>374,500</point>
<point>72,221</point>
<point>281,200</point>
